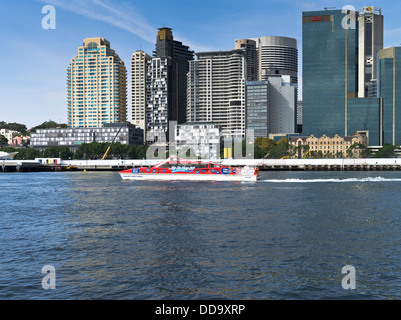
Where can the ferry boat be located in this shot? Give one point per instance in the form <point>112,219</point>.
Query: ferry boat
<point>175,168</point>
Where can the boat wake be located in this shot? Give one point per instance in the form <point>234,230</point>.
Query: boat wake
<point>369,179</point>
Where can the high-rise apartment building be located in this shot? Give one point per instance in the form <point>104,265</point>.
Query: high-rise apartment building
<point>370,26</point>
<point>216,90</point>
<point>165,88</point>
<point>277,56</point>
<point>96,86</point>
<point>273,62</point>
<point>166,46</point>
<point>138,88</point>
<point>164,43</point>
<point>251,57</point>
<point>161,98</point>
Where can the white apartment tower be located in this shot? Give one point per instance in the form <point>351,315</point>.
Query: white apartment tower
<point>216,90</point>
<point>96,86</point>
<point>138,88</point>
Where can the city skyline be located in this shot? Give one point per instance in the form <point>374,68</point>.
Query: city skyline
<point>33,87</point>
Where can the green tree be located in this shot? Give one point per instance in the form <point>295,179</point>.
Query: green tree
<point>317,154</point>
<point>14,126</point>
<point>49,125</point>
<point>96,150</point>
<point>263,146</point>
<point>24,153</point>
<point>298,151</point>
<point>281,149</point>
<point>339,154</point>
<point>136,152</point>
<point>3,141</point>
<point>387,151</point>
<point>58,151</point>
<point>28,154</point>
<point>358,150</point>
<point>93,150</point>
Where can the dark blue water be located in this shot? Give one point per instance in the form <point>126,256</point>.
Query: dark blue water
<point>285,237</point>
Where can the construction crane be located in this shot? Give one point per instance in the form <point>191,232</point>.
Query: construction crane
<point>108,149</point>
<point>307,154</point>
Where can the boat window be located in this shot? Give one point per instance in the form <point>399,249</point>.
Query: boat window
<point>168,165</point>
<point>200,165</point>
<point>185,165</point>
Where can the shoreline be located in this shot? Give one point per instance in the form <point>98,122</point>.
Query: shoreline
<point>337,164</point>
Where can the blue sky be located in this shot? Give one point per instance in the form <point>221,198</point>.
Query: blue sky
<point>34,60</point>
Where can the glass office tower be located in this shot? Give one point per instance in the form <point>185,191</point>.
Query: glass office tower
<point>389,80</point>
<point>257,108</point>
<point>329,71</point>
<point>364,115</point>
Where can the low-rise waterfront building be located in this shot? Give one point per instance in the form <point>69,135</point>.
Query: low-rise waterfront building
<point>74,137</point>
<point>9,134</point>
<point>20,141</point>
<point>335,146</point>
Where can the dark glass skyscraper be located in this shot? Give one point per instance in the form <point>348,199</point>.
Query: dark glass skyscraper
<point>329,72</point>
<point>370,25</point>
<point>330,78</point>
<point>389,84</point>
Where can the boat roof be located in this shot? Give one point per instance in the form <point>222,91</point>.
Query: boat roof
<point>181,160</point>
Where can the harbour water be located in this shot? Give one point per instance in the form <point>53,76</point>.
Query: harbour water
<point>287,236</point>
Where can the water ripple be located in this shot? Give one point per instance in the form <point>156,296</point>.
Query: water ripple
<point>286,237</point>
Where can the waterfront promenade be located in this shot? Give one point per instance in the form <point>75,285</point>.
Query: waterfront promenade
<point>263,164</point>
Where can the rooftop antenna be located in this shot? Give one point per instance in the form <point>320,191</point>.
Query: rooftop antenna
<point>327,8</point>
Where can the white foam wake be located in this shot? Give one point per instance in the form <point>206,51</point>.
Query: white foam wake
<point>369,179</point>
